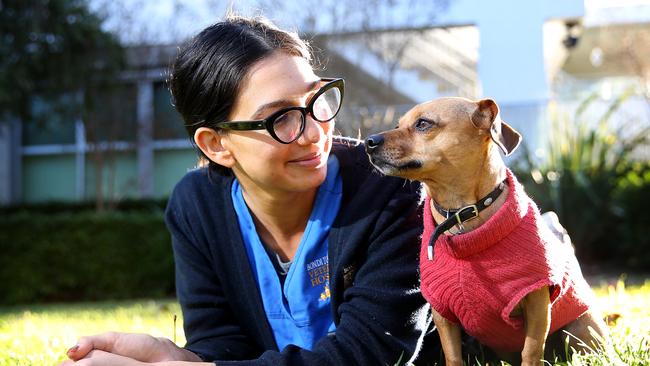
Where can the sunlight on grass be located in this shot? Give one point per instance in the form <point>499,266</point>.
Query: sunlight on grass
<point>629,305</point>
<point>40,335</point>
<point>627,310</point>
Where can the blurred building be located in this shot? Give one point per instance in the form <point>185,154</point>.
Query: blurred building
<point>523,54</point>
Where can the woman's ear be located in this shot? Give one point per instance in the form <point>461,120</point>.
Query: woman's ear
<point>213,145</point>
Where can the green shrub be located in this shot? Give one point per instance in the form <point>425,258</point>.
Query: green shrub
<point>150,205</point>
<point>630,239</point>
<point>84,256</point>
<point>591,179</point>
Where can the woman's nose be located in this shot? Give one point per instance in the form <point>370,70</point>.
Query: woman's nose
<point>313,132</point>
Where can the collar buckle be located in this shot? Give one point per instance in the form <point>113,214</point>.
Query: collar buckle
<point>466,213</point>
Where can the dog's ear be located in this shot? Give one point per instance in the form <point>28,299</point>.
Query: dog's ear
<point>507,139</point>
<point>487,117</point>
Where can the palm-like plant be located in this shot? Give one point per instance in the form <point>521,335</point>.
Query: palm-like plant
<point>582,173</point>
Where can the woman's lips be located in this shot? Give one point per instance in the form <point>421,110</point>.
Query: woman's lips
<point>308,160</point>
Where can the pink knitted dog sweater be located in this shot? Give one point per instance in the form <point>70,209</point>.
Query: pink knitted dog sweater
<point>477,278</point>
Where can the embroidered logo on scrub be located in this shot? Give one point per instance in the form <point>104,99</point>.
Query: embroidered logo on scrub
<point>319,275</point>
<point>326,294</point>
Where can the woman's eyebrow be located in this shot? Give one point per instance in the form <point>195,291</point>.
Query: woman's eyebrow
<point>259,113</point>
<point>283,102</point>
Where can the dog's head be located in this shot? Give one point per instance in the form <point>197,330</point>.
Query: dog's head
<point>446,133</point>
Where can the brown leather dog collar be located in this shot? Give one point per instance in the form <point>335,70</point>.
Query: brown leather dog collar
<point>461,215</point>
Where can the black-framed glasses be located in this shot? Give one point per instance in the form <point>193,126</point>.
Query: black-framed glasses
<point>287,124</point>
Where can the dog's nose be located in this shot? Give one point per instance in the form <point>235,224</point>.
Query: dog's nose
<point>373,141</point>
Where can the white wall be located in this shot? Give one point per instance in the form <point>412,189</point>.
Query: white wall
<point>511,55</point>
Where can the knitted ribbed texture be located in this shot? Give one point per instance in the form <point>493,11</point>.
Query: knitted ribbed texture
<point>477,278</point>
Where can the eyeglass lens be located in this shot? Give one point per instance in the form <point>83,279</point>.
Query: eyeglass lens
<point>327,105</point>
<point>288,126</point>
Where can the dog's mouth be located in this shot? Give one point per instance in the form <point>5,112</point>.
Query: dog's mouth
<point>413,164</point>
<point>390,168</point>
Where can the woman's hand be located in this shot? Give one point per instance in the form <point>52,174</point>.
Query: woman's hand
<point>138,347</point>
<point>101,358</point>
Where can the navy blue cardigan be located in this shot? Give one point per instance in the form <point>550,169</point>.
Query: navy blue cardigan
<point>379,312</point>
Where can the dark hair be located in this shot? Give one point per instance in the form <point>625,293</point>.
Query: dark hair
<point>207,75</point>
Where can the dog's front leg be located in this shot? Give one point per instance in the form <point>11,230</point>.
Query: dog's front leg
<point>450,338</point>
<point>537,317</point>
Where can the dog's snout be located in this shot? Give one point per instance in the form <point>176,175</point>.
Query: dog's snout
<point>373,141</point>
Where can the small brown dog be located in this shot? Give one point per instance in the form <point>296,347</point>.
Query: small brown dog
<point>488,260</point>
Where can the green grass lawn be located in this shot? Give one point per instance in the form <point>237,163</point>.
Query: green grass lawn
<point>40,335</point>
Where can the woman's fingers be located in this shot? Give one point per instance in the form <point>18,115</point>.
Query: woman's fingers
<point>104,342</point>
<point>137,346</point>
<point>101,358</point>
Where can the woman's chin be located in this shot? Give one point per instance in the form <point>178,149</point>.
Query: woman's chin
<point>312,179</point>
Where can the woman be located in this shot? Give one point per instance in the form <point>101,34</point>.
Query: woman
<point>289,249</point>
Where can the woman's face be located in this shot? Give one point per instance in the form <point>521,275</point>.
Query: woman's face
<point>275,82</point>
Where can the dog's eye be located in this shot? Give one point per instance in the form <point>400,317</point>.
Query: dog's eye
<point>423,124</point>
